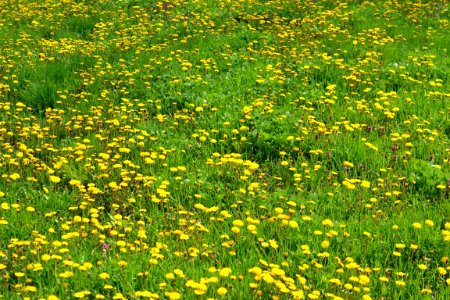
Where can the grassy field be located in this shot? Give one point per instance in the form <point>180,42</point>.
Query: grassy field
<point>223,149</point>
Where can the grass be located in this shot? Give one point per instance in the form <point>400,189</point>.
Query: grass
<point>224,150</point>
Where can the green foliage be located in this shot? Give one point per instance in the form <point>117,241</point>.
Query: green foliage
<point>224,149</point>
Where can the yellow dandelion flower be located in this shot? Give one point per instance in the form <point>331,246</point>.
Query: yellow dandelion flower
<point>417,225</point>
<point>363,279</point>
<point>104,276</point>
<point>400,283</point>
<point>30,288</point>
<point>14,176</point>
<point>429,223</point>
<point>173,295</point>
<point>55,179</point>
<point>225,272</point>
<point>327,222</point>
<point>293,224</point>
<point>422,267</point>
<point>222,291</point>
<point>365,184</point>
<point>335,281</point>
<point>46,257</point>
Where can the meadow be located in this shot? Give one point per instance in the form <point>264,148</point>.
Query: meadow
<point>217,149</point>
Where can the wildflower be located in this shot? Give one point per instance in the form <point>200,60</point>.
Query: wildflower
<point>335,281</point>
<point>104,276</point>
<point>417,225</point>
<point>46,257</point>
<point>55,179</point>
<point>422,267</point>
<point>365,184</point>
<point>225,272</point>
<point>442,271</point>
<point>429,223</point>
<point>222,291</point>
<point>363,279</point>
<point>293,224</point>
<point>414,246</point>
<point>173,295</point>
<point>238,223</point>
<point>325,244</point>
<point>14,176</point>
<point>327,222</point>
<point>400,283</point>
<point>81,294</point>
<point>30,288</point>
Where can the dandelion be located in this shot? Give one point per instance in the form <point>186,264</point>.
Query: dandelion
<point>225,272</point>
<point>30,288</point>
<point>104,276</point>
<point>173,295</point>
<point>327,222</point>
<point>55,179</point>
<point>80,295</point>
<point>363,279</point>
<point>14,176</point>
<point>46,257</point>
<point>222,291</point>
<point>400,283</point>
<point>429,223</point>
<point>422,267</point>
<point>417,225</point>
<point>365,184</point>
<point>335,281</point>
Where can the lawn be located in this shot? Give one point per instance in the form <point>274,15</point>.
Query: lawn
<point>249,149</point>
